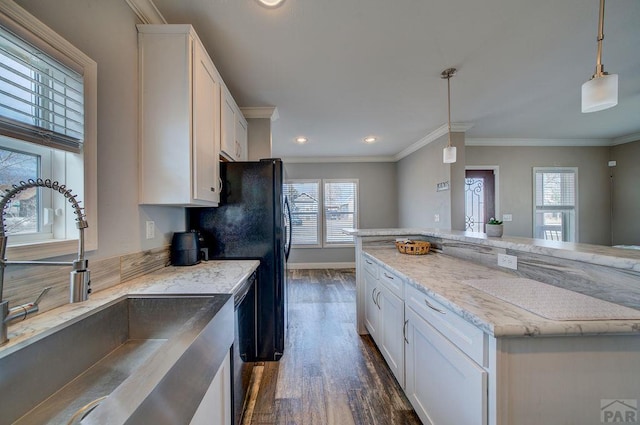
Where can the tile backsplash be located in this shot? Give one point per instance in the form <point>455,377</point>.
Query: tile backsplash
<point>22,284</point>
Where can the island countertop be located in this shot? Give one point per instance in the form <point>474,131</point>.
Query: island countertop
<point>206,278</point>
<point>624,259</point>
<point>442,277</point>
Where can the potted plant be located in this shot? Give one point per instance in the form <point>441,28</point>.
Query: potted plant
<point>494,227</point>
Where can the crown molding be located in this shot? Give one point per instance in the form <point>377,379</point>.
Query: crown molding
<point>146,11</point>
<point>434,135</point>
<point>335,159</point>
<point>537,142</point>
<point>634,137</point>
<point>270,112</point>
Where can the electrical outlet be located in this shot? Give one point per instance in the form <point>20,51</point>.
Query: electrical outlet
<point>508,261</point>
<point>507,217</point>
<point>151,229</point>
<point>436,218</point>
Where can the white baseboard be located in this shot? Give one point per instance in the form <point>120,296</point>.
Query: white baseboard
<point>307,266</point>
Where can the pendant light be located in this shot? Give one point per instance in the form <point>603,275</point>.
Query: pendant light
<point>601,91</point>
<point>449,153</point>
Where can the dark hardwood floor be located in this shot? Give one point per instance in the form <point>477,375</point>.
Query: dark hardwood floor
<point>329,374</point>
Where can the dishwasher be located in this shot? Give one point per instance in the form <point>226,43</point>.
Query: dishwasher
<point>244,345</point>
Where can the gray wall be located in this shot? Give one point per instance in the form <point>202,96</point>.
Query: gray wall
<point>418,175</point>
<point>626,194</point>
<point>378,201</point>
<point>516,186</point>
<point>105,31</point>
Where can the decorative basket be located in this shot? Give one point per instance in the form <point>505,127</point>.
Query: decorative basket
<point>413,247</point>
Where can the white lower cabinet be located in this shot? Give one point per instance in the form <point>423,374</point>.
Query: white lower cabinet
<point>215,407</point>
<point>444,386</point>
<point>435,355</point>
<point>391,332</point>
<point>384,319</point>
<point>371,307</point>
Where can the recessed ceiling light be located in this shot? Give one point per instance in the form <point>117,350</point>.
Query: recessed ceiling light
<point>370,139</point>
<point>271,3</point>
<point>302,140</point>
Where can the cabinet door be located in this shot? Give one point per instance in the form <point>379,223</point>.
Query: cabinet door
<point>215,407</point>
<point>391,327</point>
<point>228,130</point>
<point>206,95</point>
<point>241,138</point>
<point>371,308</point>
<point>444,386</point>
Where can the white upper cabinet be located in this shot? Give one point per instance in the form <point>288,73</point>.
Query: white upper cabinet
<point>233,141</point>
<point>180,92</point>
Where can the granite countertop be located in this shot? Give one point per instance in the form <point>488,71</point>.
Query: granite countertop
<point>442,277</point>
<point>206,278</point>
<point>626,259</point>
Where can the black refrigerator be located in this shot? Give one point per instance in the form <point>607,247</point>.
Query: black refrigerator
<point>253,222</point>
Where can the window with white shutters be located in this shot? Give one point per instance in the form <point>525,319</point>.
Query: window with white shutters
<point>340,210</point>
<point>555,203</point>
<point>304,200</point>
<point>320,209</point>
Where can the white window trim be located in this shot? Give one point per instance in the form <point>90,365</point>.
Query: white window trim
<point>326,244</point>
<point>577,201</point>
<point>320,213</point>
<point>27,26</point>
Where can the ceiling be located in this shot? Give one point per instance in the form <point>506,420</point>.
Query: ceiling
<point>341,70</point>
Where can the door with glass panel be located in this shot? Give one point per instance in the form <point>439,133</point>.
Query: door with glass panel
<point>479,195</point>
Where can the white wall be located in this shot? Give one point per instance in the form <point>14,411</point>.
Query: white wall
<point>418,175</point>
<point>105,31</point>
<point>378,201</point>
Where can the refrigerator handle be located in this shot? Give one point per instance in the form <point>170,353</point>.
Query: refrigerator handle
<point>287,209</point>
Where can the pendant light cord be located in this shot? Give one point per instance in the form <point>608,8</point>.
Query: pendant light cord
<point>447,74</point>
<point>449,107</point>
<point>599,68</point>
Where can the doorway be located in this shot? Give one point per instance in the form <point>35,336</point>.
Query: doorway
<point>480,196</point>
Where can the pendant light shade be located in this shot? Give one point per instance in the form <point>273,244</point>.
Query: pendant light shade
<point>449,153</point>
<point>601,91</point>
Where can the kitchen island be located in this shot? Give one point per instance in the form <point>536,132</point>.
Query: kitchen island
<point>464,354</point>
<point>158,346</point>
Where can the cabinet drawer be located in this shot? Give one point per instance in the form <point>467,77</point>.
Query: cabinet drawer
<point>467,337</point>
<point>370,266</point>
<point>392,281</point>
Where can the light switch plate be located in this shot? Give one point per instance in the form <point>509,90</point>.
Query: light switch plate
<point>508,261</point>
<point>507,217</point>
<point>151,229</point>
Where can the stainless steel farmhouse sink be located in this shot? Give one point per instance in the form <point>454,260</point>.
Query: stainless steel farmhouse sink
<point>150,359</point>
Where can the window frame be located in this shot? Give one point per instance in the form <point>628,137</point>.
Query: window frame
<point>561,208</point>
<point>325,243</point>
<point>80,168</point>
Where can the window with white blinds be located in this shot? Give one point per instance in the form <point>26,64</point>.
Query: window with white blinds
<point>555,203</point>
<point>340,210</point>
<point>304,200</point>
<point>48,116</point>
<point>320,209</point>
<point>41,99</point>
